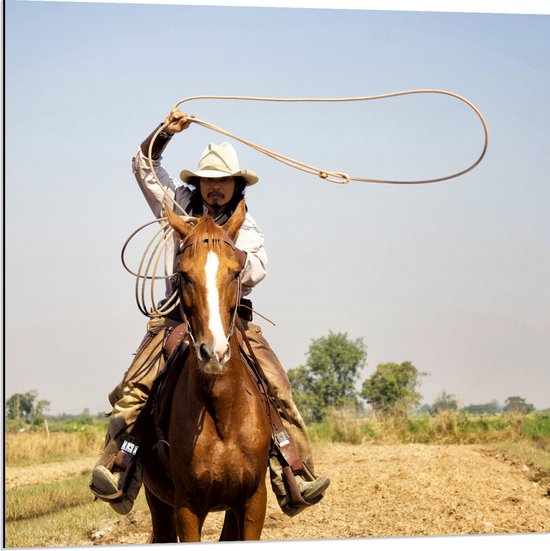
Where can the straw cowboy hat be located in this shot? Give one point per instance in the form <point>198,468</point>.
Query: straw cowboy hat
<point>218,161</point>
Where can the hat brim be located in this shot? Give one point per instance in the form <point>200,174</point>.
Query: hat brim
<point>249,176</point>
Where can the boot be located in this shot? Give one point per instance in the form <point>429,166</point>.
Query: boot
<point>312,492</point>
<point>117,486</point>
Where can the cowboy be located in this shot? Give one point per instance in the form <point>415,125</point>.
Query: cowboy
<point>214,189</point>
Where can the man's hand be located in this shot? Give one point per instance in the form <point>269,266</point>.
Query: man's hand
<point>178,121</point>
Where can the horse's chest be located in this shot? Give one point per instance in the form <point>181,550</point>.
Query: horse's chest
<point>222,463</point>
<point>228,455</point>
<point>223,456</point>
<point>225,472</point>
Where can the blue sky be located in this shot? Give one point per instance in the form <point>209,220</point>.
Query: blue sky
<point>451,276</point>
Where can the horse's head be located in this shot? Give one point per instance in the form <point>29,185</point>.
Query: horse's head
<point>209,269</point>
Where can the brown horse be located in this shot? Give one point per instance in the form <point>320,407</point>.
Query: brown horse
<point>219,434</point>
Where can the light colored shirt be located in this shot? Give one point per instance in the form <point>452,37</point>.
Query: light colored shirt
<point>250,238</point>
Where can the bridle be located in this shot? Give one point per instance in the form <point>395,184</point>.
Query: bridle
<point>191,241</point>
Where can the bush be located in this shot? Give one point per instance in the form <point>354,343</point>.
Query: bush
<point>79,424</point>
<point>14,426</point>
<point>536,427</point>
<point>419,429</point>
<point>445,427</point>
<point>342,425</point>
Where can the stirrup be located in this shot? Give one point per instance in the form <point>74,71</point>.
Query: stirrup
<point>115,496</point>
<point>123,483</point>
<point>294,502</point>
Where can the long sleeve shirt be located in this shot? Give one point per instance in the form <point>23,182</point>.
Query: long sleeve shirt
<point>250,238</point>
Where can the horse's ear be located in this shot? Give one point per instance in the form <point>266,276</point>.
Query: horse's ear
<point>177,222</point>
<point>233,225</point>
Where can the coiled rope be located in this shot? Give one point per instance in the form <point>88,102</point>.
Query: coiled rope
<point>164,234</point>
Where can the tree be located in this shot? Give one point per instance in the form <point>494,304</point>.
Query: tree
<point>491,408</point>
<point>391,389</point>
<point>516,404</point>
<point>329,375</point>
<point>26,407</point>
<point>303,392</point>
<point>445,402</point>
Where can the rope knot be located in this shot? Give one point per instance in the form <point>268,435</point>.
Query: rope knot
<point>335,177</point>
<point>345,177</point>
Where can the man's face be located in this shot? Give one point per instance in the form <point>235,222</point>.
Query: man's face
<point>217,192</point>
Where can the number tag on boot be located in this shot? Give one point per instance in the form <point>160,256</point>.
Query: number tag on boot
<point>129,447</point>
<point>125,455</point>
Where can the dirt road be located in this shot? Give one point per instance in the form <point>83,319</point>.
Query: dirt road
<point>400,490</point>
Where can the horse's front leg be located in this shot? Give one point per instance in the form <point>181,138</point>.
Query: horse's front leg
<point>188,524</point>
<point>232,526</point>
<point>254,513</point>
<point>162,518</point>
<point>247,521</point>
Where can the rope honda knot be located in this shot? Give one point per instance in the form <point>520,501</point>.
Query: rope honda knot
<point>335,177</point>
<point>345,178</point>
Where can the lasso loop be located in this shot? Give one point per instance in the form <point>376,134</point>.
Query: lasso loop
<point>157,244</point>
<point>336,176</point>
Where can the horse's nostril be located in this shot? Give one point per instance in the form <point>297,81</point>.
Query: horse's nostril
<point>226,355</point>
<point>203,352</point>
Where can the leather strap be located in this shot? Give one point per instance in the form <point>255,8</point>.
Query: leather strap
<point>175,337</point>
<point>271,393</point>
<point>287,450</point>
<point>136,434</point>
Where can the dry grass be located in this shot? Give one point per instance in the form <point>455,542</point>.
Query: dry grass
<point>71,521</point>
<point>376,491</point>
<point>62,512</point>
<point>27,448</point>
<point>528,453</point>
<point>41,499</point>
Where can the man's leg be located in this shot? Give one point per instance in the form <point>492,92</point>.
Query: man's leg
<point>312,488</point>
<point>127,399</point>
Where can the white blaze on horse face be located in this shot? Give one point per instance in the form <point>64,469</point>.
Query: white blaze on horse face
<point>221,345</point>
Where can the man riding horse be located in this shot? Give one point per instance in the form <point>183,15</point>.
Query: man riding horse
<point>215,189</point>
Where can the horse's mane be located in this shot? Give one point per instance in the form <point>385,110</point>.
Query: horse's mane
<point>206,230</point>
